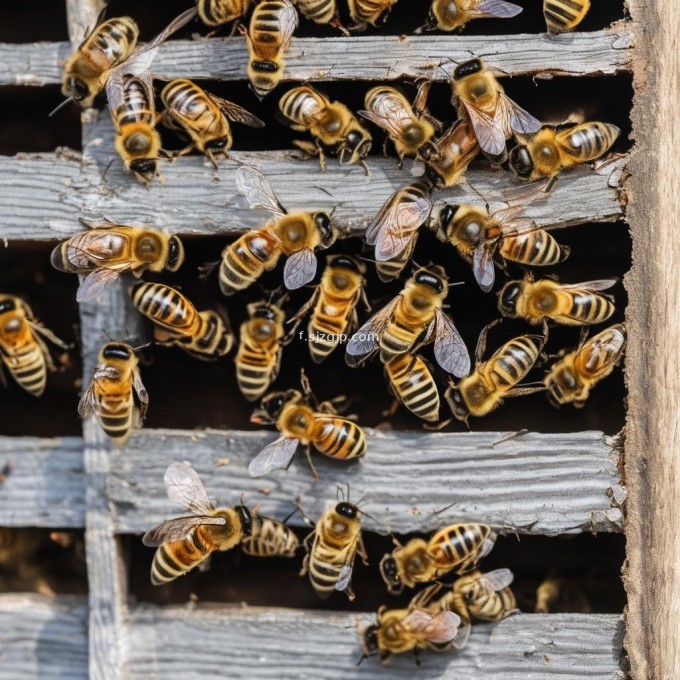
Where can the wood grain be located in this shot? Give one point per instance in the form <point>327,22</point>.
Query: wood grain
<point>539,483</point>
<point>44,484</point>
<point>252,643</point>
<point>652,574</point>
<point>43,638</point>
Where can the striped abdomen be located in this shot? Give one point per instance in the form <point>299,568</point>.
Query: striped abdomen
<point>179,557</point>
<point>26,362</point>
<point>245,260</point>
<point>391,269</point>
<point>327,559</point>
<point>265,28</point>
<point>457,545</point>
<point>368,11</point>
<point>115,407</point>
<point>114,40</point>
<point>319,11</point>
<point>398,338</point>
<point>219,12</point>
<point>302,103</point>
<point>166,307</point>
<point>256,368</point>
<point>338,437</point>
<point>270,538</point>
<point>538,249</point>
<point>599,355</point>
<point>586,307</point>
<point>190,107</point>
<point>564,15</point>
<point>136,107</point>
<point>513,361</point>
<point>328,323</point>
<point>589,141</point>
<point>414,386</point>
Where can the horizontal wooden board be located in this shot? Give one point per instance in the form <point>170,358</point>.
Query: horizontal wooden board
<point>537,483</point>
<point>43,638</point>
<point>357,57</point>
<point>44,484</point>
<point>251,643</point>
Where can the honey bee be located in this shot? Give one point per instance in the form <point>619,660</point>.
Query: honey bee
<point>297,235</point>
<point>216,13</point>
<point>203,335</point>
<point>364,12</point>
<point>272,25</point>
<point>334,304</point>
<point>22,348</point>
<point>321,12</point>
<point>458,546</point>
<point>497,378</point>
<point>262,338</point>
<point>493,115</point>
<point>554,148</point>
<point>183,543</point>
<point>394,230</point>
<point>570,379</point>
<point>116,396</point>
<point>409,127</point>
<point>564,15</point>
<point>452,152</point>
<point>203,117</point>
<point>450,15</point>
<point>103,253</point>
<point>332,548</point>
<point>572,304</point>
<point>413,319</point>
<point>270,538</point>
<point>301,421</point>
<point>482,597</point>
<point>413,385</point>
<point>479,235</point>
<point>556,595</point>
<point>331,123</point>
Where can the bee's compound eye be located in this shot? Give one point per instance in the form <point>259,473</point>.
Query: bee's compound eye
<point>521,162</point>
<point>145,166</point>
<point>78,89</point>
<point>507,301</point>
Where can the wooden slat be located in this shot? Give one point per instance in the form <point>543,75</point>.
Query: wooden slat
<point>33,64</point>
<point>282,644</point>
<point>538,483</point>
<point>44,484</point>
<point>43,638</point>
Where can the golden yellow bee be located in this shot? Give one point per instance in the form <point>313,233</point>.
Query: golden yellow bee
<point>410,128</point>
<point>272,25</point>
<point>412,384</point>
<point>116,396</point>
<point>414,317</point>
<point>215,13</point>
<point>301,421</point>
<point>22,348</point>
<point>331,123</point>
<point>458,546</point>
<point>564,15</point>
<point>203,117</point>
<point>554,148</point>
<point>451,15</point>
<point>481,596</point>
<point>365,12</point>
<point>183,543</point>
<point>334,304</point>
<point>479,235</point>
<point>497,378</point>
<point>452,152</point>
<point>321,12</point>
<point>103,253</point>
<point>572,304</point>
<point>570,379</point>
<point>204,335</point>
<point>557,595</point>
<point>297,235</point>
<point>262,337</point>
<point>493,115</point>
<point>332,548</point>
<point>270,538</point>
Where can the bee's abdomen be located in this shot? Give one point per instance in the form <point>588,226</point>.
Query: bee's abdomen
<point>414,386</point>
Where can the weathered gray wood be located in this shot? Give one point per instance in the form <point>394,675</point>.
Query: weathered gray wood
<point>82,17</point>
<point>44,484</point>
<point>43,638</point>
<point>257,643</point>
<point>357,57</point>
<point>538,483</point>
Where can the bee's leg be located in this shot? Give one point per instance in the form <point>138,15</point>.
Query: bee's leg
<point>481,341</point>
<point>361,550</point>
<point>350,593</point>
<point>384,146</point>
<point>305,565</point>
<point>308,455</point>
<point>322,157</point>
<point>213,160</point>
<point>416,656</point>
<point>364,165</point>
<point>183,152</point>
<point>335,23</point>
<point>392,409</point>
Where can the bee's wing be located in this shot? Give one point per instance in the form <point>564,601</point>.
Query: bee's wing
<point>449,349</point>
<point>115,92</point>
<point>483,267</point>
<point>515,116</point>
<point>496,580</point>
<point>185,488</point>
<point>496,8</point>
<point>437,628</point>
<point>389,114</point>
<point>251,183</point>
<point>141,392</point>
<point>519,227</point>
<point>96,282</point>
<point>489,131</point>
<point>367,339</point>
<point>87,403</point>
<point>300,269</point>
<point>177,529</point>
<point>602,351</point>
<point>344,578</point>
<point>593,286</point>
<point>274,456</point>
<point>236,113</point>
<point>289,22</point>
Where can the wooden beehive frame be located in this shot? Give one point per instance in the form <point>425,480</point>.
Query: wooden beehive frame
<point>571,483</point>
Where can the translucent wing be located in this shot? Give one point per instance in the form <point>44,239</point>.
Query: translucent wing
<point>141,392</point>
<point>300,269</point>
<point>274,456</point>
<point>87,404</point>
<point>251,183</point>
<point>288,21</point>
<point>236,113</point>
<point>497,8</point>
<point>367,339</point>
<point>177,529</point>
<point>388,113</point>
<point>594,286</point>
<point>185,488</point>
<point>449,349</point>
<point>345,578</point>
<point>496,580</point>
<point>96,283</point>
<point>115,91</point>
<point>438,628</point>
<point>515,116</point>
<point>483,268</point>
<point>489,131</point>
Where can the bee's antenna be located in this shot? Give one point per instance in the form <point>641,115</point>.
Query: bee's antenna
<point>61,106</point>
